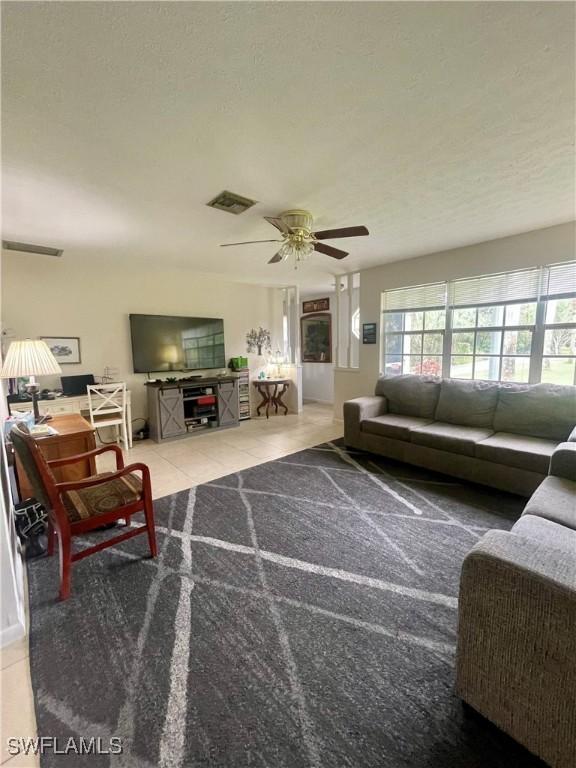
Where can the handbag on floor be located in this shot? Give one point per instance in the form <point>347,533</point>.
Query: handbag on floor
<point>31,522</point>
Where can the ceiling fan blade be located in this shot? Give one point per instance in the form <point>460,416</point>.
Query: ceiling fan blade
<point>276,258</point>
<point>249,242</point>
<point>279,224</point>
<point>336,253</point>
<point>328,234</point>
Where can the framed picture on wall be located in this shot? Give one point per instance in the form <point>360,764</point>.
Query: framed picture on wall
<point>316,305</point>
<point>369,333</point>
<point>316,334</point>
<point>66,349</point>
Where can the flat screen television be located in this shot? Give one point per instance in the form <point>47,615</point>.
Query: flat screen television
<point>163,343</point>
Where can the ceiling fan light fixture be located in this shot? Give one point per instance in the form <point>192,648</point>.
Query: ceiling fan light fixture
<point>298,239</point>
<point>297,249</point>
<point>304,250</point>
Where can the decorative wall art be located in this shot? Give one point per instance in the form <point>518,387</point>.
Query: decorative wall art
<point>316,333</point>
<point>368,333</point>
<point>66,349</point>
<point>316,305</point>
<point>258,340</point>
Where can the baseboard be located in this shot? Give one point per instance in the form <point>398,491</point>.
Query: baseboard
<point>12,633</point>
<point>315,400</point>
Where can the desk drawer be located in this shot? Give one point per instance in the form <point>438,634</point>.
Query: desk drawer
<point>55,408</point>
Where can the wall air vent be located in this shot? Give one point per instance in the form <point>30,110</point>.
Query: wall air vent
<point>43,250</point>
<point>228,201</point>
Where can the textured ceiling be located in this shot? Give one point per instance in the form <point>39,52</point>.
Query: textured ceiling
<point>435,124</point>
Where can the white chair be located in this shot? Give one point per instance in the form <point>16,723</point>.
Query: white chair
<point>107,406</point>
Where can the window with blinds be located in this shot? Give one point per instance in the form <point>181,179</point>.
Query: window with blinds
<point>558,361</point>
<point>505,288</point>
<point>418,297</point>
<point>515,326</point>
<point>560,280</point>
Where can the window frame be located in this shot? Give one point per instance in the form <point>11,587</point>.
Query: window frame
<point>347,307</point>
<point>538,328</point>
<point>503,328</point>
<point>421,332</point>
<point>570,326</point>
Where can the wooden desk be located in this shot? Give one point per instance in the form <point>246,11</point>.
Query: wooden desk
<point>75,435</point>
<point>65,404</point>
<point>271,391</point>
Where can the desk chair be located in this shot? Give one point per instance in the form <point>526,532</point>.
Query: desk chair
<point>107,406</point>
<point>76,508</point>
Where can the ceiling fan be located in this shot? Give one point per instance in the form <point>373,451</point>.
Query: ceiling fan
<point>298,239</point>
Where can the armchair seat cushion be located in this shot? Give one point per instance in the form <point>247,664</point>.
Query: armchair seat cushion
<point>555,500</point>
<point>530,453</point>
<point>393,425</point>
<point>85,503</point>
<point>450,437</point>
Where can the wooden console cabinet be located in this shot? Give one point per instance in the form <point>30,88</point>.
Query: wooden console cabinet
<point>179,408</point>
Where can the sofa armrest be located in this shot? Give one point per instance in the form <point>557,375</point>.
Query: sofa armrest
<point>516,659</point>
<point>355,411</point>
<point>563,461</point>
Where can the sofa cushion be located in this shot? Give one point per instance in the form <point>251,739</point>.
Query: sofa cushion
<point>449,437</point>
<point>546,532</point>
<point>540,410</point>
<point>555,500</point>
<point>392,425</point>
<point>530,453</point>
<point>410,395</point>
<point>469,403</point>
<point>563,461</point>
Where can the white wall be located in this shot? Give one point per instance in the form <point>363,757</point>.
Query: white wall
<point>318,378</point>
<point>12,615</point>
<point>543,246</point>
<point>44,296</point>
<point>318,382</point>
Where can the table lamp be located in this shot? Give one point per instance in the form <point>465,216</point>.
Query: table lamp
<point>278,360</point>
<point>31,358</point>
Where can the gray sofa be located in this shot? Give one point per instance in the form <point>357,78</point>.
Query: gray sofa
<point>498,434</point>
<point>516,660</point>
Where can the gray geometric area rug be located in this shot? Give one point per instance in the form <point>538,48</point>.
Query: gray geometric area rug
<point>300,614</point>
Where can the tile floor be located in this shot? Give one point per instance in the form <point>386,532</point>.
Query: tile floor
<point>173,467</point>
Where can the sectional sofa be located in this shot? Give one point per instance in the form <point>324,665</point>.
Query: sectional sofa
<point>498,434</point>
<point>516,661</point>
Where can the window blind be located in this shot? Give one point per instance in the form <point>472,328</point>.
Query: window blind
<point>431,296</point>
<point>504,288</point>
<point>560,279</point>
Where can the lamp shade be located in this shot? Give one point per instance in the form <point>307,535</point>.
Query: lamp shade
<point>30,357</point>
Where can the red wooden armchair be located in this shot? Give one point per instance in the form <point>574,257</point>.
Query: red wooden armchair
<point>75,508</point>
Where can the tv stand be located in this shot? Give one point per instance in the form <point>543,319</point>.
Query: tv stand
<point>187,406</point>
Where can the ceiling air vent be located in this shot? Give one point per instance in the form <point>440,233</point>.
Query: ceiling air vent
<point>44,250</point>
<point>228,201</point>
